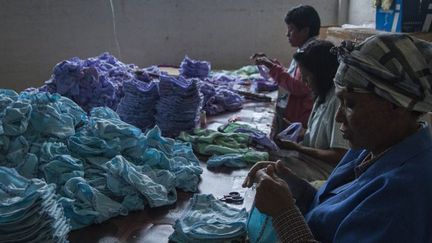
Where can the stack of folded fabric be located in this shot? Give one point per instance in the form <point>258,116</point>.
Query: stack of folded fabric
<point>179,105</point>
<point>137,107</point>
<point>29,210</point>
<point>209,220</point>
<point>194,69</point>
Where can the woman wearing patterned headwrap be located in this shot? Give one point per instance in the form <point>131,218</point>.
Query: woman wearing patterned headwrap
<point>381,191</point>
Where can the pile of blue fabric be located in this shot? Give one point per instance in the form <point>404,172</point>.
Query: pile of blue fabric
<point>102,166</point>
<point>138,106</point>
<point>207,219</point>
<point>92,82</point>
<point>29,210</point>
<point>194,69</point>
<point>179,105</point>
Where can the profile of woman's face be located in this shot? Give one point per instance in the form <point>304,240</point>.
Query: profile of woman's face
<point>364,118</point>
<point>309,79</point>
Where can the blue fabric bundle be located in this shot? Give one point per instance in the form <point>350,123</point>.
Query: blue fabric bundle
<point>29,210</point>
<point>102,166</point>
<point>207,219</point>
<point>179,105</point>
<point>194,69</point>
<point>137,107</point>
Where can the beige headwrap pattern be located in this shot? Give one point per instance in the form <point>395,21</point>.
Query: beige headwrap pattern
<point>396,67</point>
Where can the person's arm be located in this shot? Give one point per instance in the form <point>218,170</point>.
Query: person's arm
<point>294,85</point>
<point>300,189</point>
<point>290,226</point>
<point>273,197</point>
<point>331,156</point>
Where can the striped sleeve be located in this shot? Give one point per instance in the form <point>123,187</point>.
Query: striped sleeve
<point>291,227</point>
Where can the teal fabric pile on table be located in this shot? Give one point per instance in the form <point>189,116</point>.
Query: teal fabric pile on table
<point>102,166</point>
<point>29,210</point>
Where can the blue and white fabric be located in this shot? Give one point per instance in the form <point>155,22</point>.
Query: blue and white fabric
<point>207,219</point>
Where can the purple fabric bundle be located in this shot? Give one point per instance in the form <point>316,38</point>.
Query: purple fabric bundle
<point>194,69</point>
<point>179,105</point>
<point>291,133</point>
<point>264,84</point>
<point>93,82</point>
<point>138,106</point>
<point>261,85</point>
<point>219,99</point>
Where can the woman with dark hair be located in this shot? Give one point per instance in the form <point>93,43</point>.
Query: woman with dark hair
<point>322,140</point>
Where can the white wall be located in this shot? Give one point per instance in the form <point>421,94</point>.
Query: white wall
<point>361,12</point>
<point>37,34</point>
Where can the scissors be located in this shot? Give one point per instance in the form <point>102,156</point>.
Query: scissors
<point>232,197</point>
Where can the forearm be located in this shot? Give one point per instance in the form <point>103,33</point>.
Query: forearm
<point>288,82</point>
<point>290,226</point>
<point>331,156</point>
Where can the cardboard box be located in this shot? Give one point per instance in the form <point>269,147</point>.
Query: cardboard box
<point>405,16</point>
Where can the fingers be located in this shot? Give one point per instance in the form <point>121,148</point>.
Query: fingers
<point>250,178</point>
<point>286,173</point>
<point>258,54</point>
<point>281,169</point>
<point>287,121</point>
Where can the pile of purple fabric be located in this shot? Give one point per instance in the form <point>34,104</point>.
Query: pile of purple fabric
<point>138,106</point>
<point>194,69</point>
<point>92,82</point>
<point>216,90</point>
<point>219,99</point>
<point>264,84</point>
<point>179,105</point>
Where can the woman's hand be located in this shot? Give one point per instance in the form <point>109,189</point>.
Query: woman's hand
<point>300,189</point>
<point>287,144</point>
<point>273,195</point>
<point>254,173</point>
<point>262,59</point>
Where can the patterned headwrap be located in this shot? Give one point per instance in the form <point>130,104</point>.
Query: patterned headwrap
<point>396,67</point>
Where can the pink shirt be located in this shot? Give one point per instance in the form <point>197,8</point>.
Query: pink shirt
<point>300,100</point>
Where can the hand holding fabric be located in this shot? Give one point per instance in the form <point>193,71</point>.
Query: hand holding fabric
<point>254,172</point>
<point>287,144</point>
<point>273,195</point>
<point>301,190</point>
<point>262,59</point>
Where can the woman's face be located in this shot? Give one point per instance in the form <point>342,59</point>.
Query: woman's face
<point>295,36</point>
<point>309,79</point>
<point>364,118</point>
